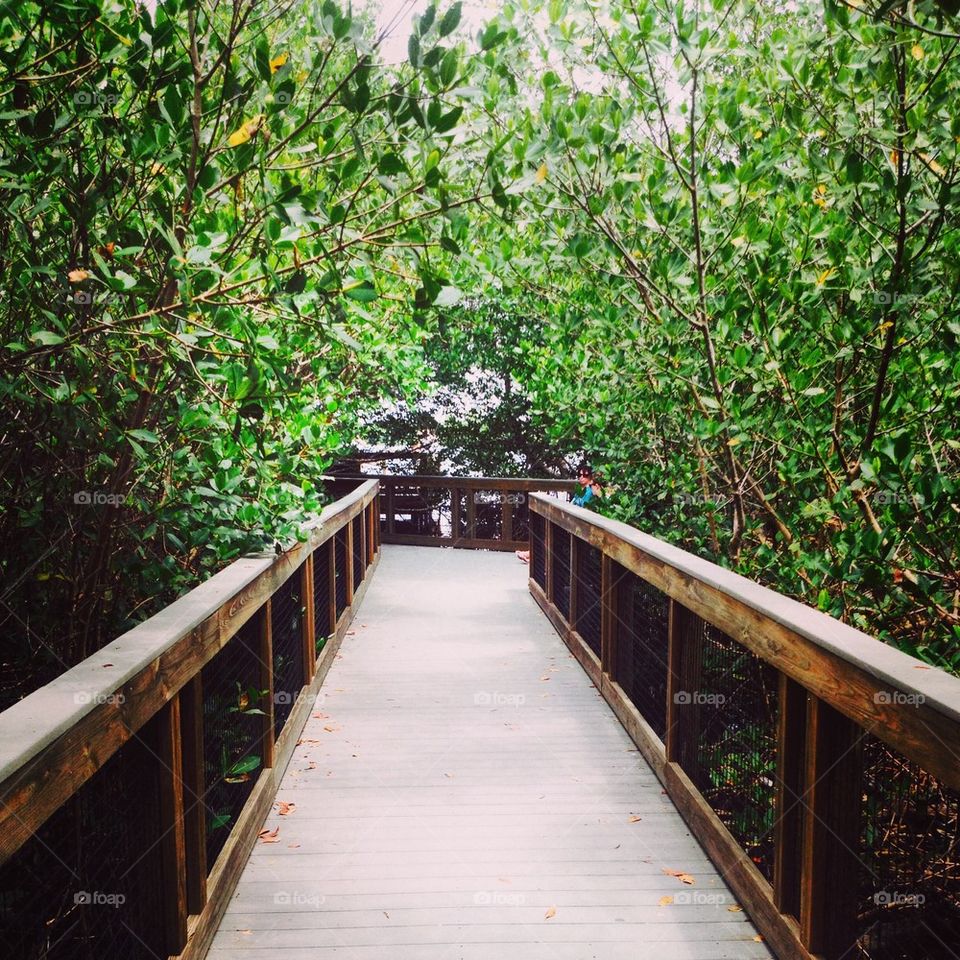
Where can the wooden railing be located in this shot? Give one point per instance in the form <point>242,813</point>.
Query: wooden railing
<point>818,767</point>
<point>133,786</point>
<point>486,513</point>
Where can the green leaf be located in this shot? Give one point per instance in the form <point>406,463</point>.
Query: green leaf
<point>451,20</point>
<point>363,292</point>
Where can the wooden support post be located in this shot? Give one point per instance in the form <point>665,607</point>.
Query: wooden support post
<point>378,527</point>
<point>308,624</point>
<point>788,830</point>
<point>266,681</point>
<point>348,562</point>
<point>684,660</point>
<point>831,832</point>
<point>172,841</point>
<point>194,810</point>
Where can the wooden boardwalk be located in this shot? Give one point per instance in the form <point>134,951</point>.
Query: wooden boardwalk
<point>462,792</point>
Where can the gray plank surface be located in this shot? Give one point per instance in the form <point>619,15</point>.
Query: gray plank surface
<point>461,791</point>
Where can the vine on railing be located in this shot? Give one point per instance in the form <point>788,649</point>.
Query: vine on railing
<point>820,768</point>
<point>132,787</point>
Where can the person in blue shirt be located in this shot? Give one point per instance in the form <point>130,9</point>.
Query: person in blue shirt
<point>592,490</point>
<point>591,486</point>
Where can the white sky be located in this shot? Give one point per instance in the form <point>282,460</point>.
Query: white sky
<point>394,48</point>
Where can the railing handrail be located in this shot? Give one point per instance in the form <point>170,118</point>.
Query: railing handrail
<point>467,483</point>
<point>658,562</point>
<point>35,723</point>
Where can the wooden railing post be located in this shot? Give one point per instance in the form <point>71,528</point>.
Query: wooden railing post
<point>172,840</point>
<point>194,814</point>
<point>266,682</point>
<point>831,822</point>
<point>788,830</point>
<point>309,623</point>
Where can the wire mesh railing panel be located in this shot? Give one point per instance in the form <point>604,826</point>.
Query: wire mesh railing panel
<point>286,622</point>
<point>521,517</point>
<point>487,514</point>
<point>321,594</point>
<point>340,569</point>
<point>560,570</point>
<point>86,885</point>
<point>589,594</point>
<point>642,649</point>
<point>735,748</point>
<point>909,891</point>
<point>422,511</point>
<point>538,557</point>
<point>233,706</point>
<point>358,542</point>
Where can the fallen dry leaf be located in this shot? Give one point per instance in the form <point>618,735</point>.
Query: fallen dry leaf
<point>635,819</point>
<point>680,875</point>
<point>666,901</point>
<point>544,678</point>
<point>77,276</point>
<point>551,912</point>
<point>330,729</point>
<point>269,836</point>
<point>284,808</point>
<point>759,938</point>
<point>734,909</point>
<point>292,846</point>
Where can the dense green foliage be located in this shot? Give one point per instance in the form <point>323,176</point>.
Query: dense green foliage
<point>713,245</point>
<point>218,220</point>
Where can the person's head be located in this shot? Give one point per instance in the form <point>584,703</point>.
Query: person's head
<point>584,474</point>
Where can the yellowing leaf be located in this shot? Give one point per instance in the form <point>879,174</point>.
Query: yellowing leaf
<point>243,133</point>
<point>665,901</point>
<point>917,51</point>
<point>757,134</point>
<point>551,912</point>
<point>932,164</point>
<point>277,62</point>
<point>895,158</point>
<point>77,276</point>
<point>541,173</point>
<point>823,277</point>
